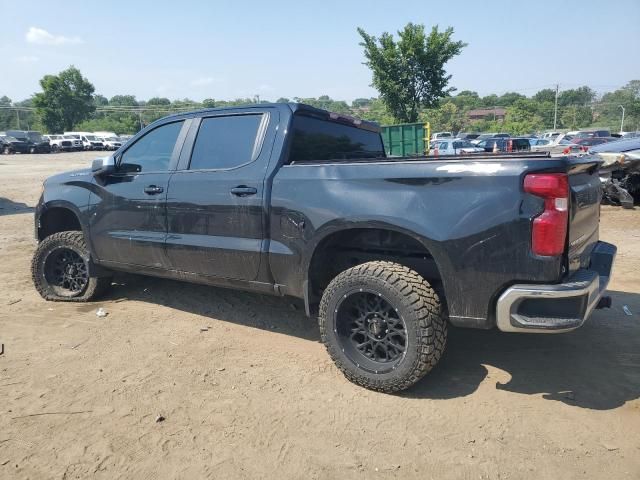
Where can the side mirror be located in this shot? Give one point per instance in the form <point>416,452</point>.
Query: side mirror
<point>103,166</point>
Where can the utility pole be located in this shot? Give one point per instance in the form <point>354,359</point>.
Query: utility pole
<point>622,121</point>
<point>18,115</point>
<point>555,110</point>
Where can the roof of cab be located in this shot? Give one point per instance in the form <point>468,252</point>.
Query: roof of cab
<point>293,107</point>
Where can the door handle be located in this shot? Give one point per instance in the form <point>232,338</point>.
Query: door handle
<point>243,191</point>
<point>153,189</point>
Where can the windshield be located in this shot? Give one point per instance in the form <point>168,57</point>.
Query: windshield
<point>91,138</point>
<point>463,144</point>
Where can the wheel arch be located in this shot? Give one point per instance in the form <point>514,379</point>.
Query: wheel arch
<point>362,242</point>
<point>59,216</point>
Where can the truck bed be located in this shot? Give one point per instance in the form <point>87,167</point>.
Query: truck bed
<point>421,158</point>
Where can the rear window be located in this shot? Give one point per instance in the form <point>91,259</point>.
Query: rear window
<point>226,142</point>
<point>315,139</point>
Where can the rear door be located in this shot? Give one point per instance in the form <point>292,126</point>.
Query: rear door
<point>215,205</point>
<point>584,214</point>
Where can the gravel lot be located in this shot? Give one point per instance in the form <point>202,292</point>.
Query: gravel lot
<point>256,396</point>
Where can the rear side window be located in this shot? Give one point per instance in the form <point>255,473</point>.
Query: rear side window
<point>315,139</point>
<point>226,142</point>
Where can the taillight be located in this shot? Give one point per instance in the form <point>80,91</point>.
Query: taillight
<point>549,230</point>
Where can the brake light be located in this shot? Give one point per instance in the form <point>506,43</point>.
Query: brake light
<point>549,230</point>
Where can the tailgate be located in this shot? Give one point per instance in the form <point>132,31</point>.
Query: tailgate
<point>584,211</point>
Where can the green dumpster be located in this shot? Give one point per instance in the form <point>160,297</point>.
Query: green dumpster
<point>404,140</point>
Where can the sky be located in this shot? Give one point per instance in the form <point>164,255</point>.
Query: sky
<point>231,49</point>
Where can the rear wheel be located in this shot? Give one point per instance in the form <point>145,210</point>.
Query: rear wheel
<point>382,324</point>
<point>60,269</point>
<point>54,148</point>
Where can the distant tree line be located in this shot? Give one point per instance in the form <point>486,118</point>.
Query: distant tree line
<point>68,102</point>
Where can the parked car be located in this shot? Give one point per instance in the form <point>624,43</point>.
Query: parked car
<point>36,142</point>
<point>88,140</point>
<point>59,143</point>
<point>501,144</point>
<point>91,142</point>
<point>110,143</point>
<point>13,145</point>
<point>620,171</point>
<point>631,135</point>
<point>287,199</point>
<point>454,146</point>
<point>550,135</point>
<point>486,136</point>
<point>558,146</point>
<point>104,134</point>
<point>591,141</point>
<point>468,136</point>
<point>77,143</point>
<point>440,135</point>
<point>591,133</point>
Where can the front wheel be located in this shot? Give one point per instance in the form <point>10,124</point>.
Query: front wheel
<point>60,269</point>
<point>383,325</point>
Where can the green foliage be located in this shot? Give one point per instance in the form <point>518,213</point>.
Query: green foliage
<point>326,103</point>
<point>158,101</point>
<point>377,111</point>
<point>409,73</point>
<point>66,100</point>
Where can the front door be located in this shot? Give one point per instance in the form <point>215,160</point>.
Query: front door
<point>128,221</point>
<point>215,204</point>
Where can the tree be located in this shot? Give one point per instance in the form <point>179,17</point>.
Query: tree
<point>158,101</point>
<point>545,95</point>
<point>509,99</point>
<point>409,73</point>
<point>123,101</point>
<point>445,118</point>
<point>100,101</point>
<point>66,99</point>
<point>576,96</point>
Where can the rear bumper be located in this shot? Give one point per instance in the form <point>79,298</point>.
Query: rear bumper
<point>560,307</point>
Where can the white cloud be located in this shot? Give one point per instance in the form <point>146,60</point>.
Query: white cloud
<point>27,59</point>
<point>40,36</point>
<point>202,81</point>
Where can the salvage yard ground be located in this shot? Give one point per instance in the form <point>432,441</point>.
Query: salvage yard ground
<point>247,391</point>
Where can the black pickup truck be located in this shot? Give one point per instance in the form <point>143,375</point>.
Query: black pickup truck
<point>290,200</point>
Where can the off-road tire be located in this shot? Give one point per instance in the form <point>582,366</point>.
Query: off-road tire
<point>72,240</point>
<point>416,302</point>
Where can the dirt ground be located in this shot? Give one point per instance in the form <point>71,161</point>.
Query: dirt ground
<point>256,396</point>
